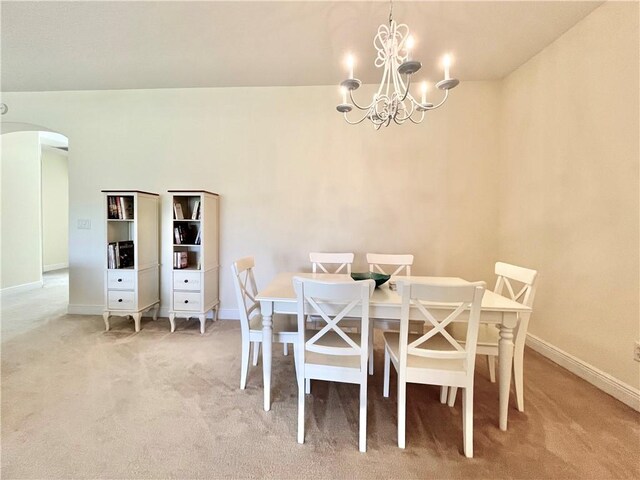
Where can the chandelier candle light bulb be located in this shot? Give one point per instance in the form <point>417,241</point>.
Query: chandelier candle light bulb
<point>393,101</point>
<point>447,63</point>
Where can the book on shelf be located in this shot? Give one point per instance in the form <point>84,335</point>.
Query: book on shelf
<point>197,241</point>
<point>120,254</point>
<point>195,215</point>
<point>177,211</point>
<point>180,260</point>
<point>185,234</point>
<point>120,208</point>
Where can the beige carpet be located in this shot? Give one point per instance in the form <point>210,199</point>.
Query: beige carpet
<point>81,403</point>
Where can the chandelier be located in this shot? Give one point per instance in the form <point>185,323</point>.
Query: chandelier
<point>393,101</point>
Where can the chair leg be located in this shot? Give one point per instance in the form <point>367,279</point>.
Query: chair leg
<point>453,391</point>
<point>256,352</point>
<point>285,349</point>
<point>244,364</point>
<point>363,414</point>
<point>491,363</point>
<point>301,398</point>
<point>387,368</point>
<point>402,410</point>
<point>518,376</point>
<point>443,394</point>
<point>467,421</point>
<point>307,385</point>
<point>295,363</point>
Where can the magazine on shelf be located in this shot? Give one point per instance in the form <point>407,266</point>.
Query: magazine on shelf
<point>195,215</point>
<point>177,210</point>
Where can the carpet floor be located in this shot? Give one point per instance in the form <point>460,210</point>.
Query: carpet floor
<point>78,402</point>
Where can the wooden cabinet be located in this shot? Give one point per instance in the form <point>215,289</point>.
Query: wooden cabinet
<point>131,254</point>
<point>195,255</point>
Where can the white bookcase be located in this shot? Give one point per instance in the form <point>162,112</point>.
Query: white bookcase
<point>194,282</point>
<point>132,270</point>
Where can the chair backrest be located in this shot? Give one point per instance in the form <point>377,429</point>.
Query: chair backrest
<point>400,261</point>
<point>320,261</point>
<point>525,292</point>
<point>246,291</point>
<point>418,296</point>
<point>332,302</point>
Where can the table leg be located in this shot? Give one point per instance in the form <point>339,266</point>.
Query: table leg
<point>505,351</point>
<point>267,339</point>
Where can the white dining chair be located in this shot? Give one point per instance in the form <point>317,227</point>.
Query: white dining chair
<point>321,262</point>
<point>285,327</point>
<point>402,264</point>
<point>520,286</point>
<point>331,354</point>
<point>435,358</point>
<point>377,261</point>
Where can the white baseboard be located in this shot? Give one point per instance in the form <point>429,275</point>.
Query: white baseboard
<point>23,288</point>
<point>602,380</point>
<point>55,266</point>
<point>224,314</point>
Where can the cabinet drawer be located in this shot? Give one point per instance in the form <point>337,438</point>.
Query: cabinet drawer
<point>121,300</point>
<point>121,280</point>
<point>186,301</point>
<point>186,281</point>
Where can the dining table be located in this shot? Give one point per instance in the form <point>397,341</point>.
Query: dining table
<point>385,304</point>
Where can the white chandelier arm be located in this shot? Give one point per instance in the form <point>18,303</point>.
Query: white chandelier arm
<point>355,104</point>
<point>446,95</point>
<point>421,118</point>
<point>366,115</point>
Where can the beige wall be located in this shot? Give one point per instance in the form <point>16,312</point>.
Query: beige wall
<point>293,176</point>
<point>569,186</point>
<point>21,221</point>
<point>55,209</point>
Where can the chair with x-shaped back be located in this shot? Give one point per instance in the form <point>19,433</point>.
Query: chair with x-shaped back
<point>435,358</point>
<point>340,262</point>
<point>331,354</point>
<point>376,262</point>
<point>520,285</point>
<point>285,328</point>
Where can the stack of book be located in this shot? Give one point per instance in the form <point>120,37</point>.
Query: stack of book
<point>186,235</point>
<point>120,208</point>
<point>120,254</point>
<point>180,260</point>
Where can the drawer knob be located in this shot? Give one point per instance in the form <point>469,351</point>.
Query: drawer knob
<point>119,279</point>
<point>186,301</point>
<point>186,281</point>
<point>119,300</point>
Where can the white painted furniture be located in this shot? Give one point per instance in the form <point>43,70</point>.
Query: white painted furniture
<point>321,261</point>
<point>377,261</point>
<point>285,327</point>
<point>402,264</point>
<point>331,354</point>
<point>435,358</point>
<point>194,289</point>
<point>131,291</point>
<point>279,297</point>
<point>488,337</point>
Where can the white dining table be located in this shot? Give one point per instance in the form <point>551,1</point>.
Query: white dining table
<point>385,304</point>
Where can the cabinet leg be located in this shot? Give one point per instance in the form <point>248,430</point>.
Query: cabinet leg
<point>136,320</point>
<point>172,321</point>
<point>105,317</point>
<point>156,309</point>
<point>203,318</point>
<point>215,313</point>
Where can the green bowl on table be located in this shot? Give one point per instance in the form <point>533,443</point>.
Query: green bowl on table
<point>379,278</point>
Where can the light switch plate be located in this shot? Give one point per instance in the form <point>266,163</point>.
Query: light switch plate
<point>84,224</point>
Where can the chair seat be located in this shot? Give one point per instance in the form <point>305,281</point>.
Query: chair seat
<point>332,339</point>
<point>392,340</point>
<point>487,334</point>
<point>281,323</point>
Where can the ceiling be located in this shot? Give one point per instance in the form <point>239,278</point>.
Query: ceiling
<point>127,45</point>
